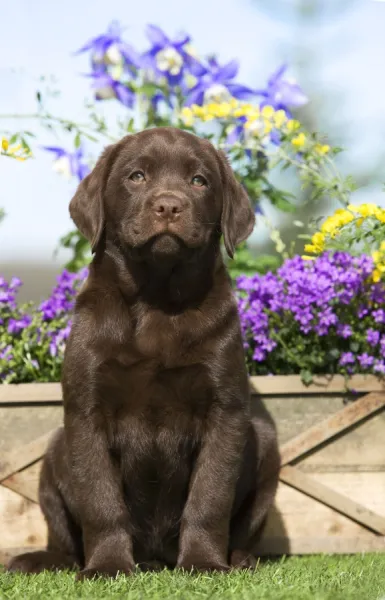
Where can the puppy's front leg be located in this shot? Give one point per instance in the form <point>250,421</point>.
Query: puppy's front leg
<point>99,499</point>
<point>204,537</point>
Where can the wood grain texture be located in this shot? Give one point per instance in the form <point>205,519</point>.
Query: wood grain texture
<point>264,385</point>
<point>330,427</point>
<point>343,504</point>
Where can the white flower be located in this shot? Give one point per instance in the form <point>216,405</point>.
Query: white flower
<point>105,93</point>
<point>217,93</point>
<point>63,166</point>
<point>169,60</point>
<point>113,55</point>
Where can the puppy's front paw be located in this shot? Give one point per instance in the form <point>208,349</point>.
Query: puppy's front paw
<point>107,570</point>
<point>240,559</point>
<point>202,566</point>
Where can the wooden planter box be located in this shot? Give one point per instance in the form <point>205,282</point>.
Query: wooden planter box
<point>331,496</point>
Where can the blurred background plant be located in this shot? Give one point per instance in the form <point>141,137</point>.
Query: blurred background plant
<point>169,84</point>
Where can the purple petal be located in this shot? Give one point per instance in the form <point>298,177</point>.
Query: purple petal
<point>277,74</point>
<point>196,95</point>
<point>124,95</point>
<point>239,91</point>
<point>194,66</point>
<point>227,72</point>
<point>156,36</point>
<point>58,151</point>
<point>115,29</point>
<point>130,55</point>
<point>291,94</point>
<point>181,40</point>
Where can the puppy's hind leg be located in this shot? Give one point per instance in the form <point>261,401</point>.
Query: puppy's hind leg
<point>260,479</point>
<point>64,550</point>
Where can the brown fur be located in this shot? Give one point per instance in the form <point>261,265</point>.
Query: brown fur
<point>160,461</point>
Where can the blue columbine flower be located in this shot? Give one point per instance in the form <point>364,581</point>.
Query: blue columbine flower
<point>169,58</point>
<point>107,87</point>
<point>109,48</point>
<point>69,163</point>
<point>216,84</point>
<point>282,93</point>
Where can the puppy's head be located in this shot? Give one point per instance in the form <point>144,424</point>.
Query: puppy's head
<point>162,194</point>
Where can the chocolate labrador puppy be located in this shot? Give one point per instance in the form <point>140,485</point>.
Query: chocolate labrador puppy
<point>160,462</point>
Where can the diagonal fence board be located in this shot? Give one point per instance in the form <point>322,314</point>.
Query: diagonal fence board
<point>306,484</point>
<point>23,484</point>
<point>330,427</point>
<point>18,459</point>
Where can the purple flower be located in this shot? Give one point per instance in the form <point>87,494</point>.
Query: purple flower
<point>216,85</point>
<point>6,353</point>
<point>347,358</point>
<point>379,367</point>
<point>107,87</point>
<point>344,331</point>
<point>373,337</point>
<point>69,163</point>
<point>379,315</point>
<point>365,360</point>
<point>169,58</point>
<point>281,93</point>
<point>109,48</point>
<point>17,325</point>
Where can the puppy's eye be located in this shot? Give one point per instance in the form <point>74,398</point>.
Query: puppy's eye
<point>198,181</point>
<point>137,176</point>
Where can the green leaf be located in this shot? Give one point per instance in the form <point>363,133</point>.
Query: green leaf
<point>77,140</point>
<point>306,376</point>
<point>148,89</point>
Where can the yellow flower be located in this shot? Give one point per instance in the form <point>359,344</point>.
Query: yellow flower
<point>268,112</point>
<point>293,125</point>
<point>187,116</point>
<point>322,148</point>
<point>299,141</point>
<point>366,210</point>
<point>4,144</point>
<point>198,111</point>
<point>279,118</point>
<point>318,241</point>
<point>304,257</point>
<point>376,276</point>
<point>310,248</point>
<point>224,110</point>
<point>382,246</point>
<point>268,126</point>
<point>381,216</point>
<point>330,226</point>
<point>376,256</point>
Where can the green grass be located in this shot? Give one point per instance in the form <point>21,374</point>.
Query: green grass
<point>357,577</point>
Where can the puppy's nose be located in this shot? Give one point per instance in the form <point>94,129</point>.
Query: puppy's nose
<point>168,208</point>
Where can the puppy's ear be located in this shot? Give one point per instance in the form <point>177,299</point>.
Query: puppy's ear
<point>238,218</point>
<point>86,207</point>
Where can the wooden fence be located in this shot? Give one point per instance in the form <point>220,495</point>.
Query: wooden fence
<point>331,496</point>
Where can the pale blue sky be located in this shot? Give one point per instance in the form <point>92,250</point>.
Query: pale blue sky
<point>37,38</point>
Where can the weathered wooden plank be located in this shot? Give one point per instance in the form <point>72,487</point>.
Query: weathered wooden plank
<point>26,482</point>
<point>316,435</point>
<point>17,459</point>
<point>293,384</point>
<point>319,545</point>
<point>30,392</point>
<point>292,476</point>
<point>264,385</point>
<point>21,521</point>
